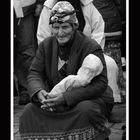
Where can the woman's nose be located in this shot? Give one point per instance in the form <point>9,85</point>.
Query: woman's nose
<point>60,31</point>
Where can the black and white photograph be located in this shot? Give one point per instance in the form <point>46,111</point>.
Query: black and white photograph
<point>69,70</point>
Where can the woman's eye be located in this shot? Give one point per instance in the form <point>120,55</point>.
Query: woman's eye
<point>65,27</point>
<point>56,28</point>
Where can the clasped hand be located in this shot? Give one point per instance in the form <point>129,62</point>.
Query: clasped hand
<point>50,102</point>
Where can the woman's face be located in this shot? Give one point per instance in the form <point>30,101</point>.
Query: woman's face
<point>63,32</point>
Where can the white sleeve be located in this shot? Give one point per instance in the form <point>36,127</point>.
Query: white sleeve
<point>91,67</point>
<point>44,29</point>
<point>65,84</point>
<point>97,25</point>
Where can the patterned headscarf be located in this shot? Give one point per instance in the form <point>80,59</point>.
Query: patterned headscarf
<point>63,11</point>
<point>77,4</point>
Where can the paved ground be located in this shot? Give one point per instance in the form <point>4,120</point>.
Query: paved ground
<point>119,112</point>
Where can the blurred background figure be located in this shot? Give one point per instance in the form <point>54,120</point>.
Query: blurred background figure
<point>113,15</point>
<point>26,14</point>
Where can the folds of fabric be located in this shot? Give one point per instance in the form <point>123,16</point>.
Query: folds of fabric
<point>85,121</point>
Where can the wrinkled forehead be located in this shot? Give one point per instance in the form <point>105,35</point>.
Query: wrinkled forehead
<point>56,24</point>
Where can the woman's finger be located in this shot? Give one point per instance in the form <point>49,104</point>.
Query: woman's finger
<point>44,93</point>
<point>50,100</point>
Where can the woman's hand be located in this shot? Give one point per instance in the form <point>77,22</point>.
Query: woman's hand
<point>42,94</point>
<point>54,101</point>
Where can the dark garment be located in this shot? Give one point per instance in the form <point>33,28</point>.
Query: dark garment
<point>77,6</point>
<point>44,69</point>
<point>40,2</point>
<point>25,48</point>
<point>109,101</point>
<point>86,114</point>
<point>110,14</point>
<point>29,9</point>
<point>85,121</point>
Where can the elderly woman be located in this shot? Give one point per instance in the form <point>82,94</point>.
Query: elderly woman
<point>91,24</point>
<point>90,20</point>
<point>62,54</point>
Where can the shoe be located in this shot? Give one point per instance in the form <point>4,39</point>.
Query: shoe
<point>24,99</point>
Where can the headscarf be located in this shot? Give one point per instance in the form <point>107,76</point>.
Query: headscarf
<point>63,11</point>
<point>79,13</point>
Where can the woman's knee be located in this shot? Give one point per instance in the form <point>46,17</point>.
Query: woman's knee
<point>92,110</point>
<point>88,106</point>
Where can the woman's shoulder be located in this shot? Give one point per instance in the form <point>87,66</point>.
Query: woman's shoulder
<point>87,42</point>
<point>47,42</point>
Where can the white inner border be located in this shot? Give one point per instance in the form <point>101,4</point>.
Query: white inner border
<point>12,75</point>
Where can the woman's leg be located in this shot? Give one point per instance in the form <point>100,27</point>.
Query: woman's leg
<point>95,111</point>
<point>86,119</point>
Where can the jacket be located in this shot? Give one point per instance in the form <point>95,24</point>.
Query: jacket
<point>94,23</point>
<point>43,72</point>
<point>25,7</point>
<point>109,9</point>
